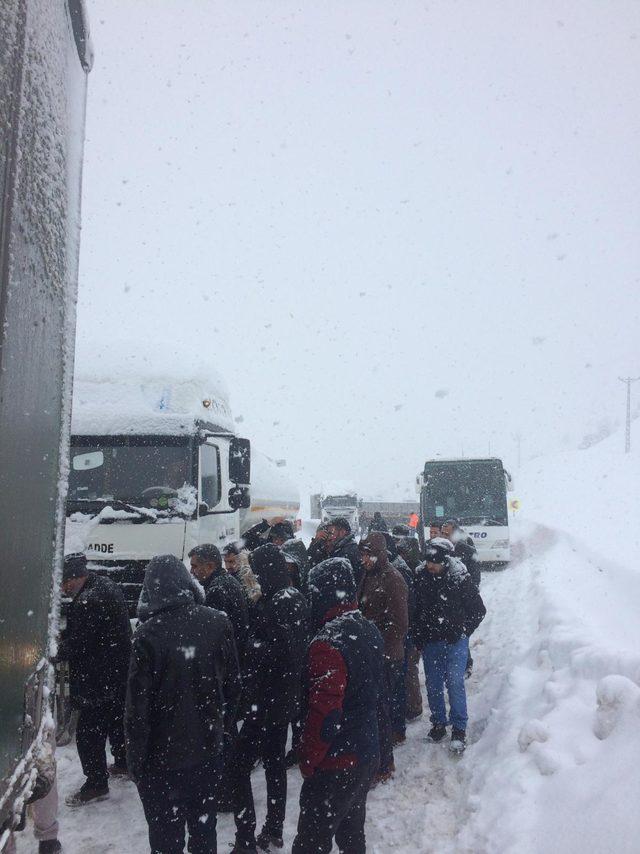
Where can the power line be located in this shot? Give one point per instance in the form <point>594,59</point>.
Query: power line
<point>628,381</point>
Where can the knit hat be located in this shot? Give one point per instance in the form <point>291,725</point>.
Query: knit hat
<point>75,566</point>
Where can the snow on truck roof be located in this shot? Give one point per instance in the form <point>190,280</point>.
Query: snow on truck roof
<point>148,405</point>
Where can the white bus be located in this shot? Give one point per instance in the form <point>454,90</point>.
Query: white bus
<point>474,492</point>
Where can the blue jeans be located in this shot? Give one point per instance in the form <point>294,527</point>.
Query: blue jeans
<point>446,662</point>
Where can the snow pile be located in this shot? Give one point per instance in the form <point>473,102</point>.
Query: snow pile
<point>556,765</point>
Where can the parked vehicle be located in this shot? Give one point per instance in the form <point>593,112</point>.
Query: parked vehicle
<point>45,55</point>
<point>156,468</point>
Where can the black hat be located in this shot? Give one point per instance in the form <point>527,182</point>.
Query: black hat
<point>75,566</point>
<point>437,550</point>
<point>207,552</point>
<point>341,522</point>
<point>282,530</point>
<point>401,531</point>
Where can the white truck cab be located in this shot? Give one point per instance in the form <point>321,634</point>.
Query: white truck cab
<point>156,469</point>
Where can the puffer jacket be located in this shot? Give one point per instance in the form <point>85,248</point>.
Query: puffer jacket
<point>448,605</point>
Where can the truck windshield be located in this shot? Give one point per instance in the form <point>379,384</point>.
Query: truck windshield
<point>472,491</point>
<point>142,471</point>
<point>338,501</point>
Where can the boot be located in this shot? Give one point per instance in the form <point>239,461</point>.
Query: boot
<point>49,846</point>
<point>117,770</point>
<point>265,840</point>
<point>437,733</point>
<point>86,794</point>
<point>458,741</point>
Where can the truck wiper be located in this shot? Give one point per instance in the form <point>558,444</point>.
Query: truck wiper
<point>117,504</point>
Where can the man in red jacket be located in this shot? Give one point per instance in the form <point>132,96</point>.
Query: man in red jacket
<point>339,750</point>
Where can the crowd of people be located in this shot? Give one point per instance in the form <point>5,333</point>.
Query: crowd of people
<point>262,640</point>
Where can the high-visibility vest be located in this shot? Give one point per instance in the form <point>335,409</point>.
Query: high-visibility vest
<point>413,520</point>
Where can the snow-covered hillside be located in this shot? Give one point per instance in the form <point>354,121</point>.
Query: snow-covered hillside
<point>552,764</point>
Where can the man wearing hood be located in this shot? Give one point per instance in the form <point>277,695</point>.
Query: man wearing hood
<point>448,610</point>
<point>339,750</point>
<point>383,597</point>
<point>341,543</point>
<point>271,697</point>
<point>182,696</point>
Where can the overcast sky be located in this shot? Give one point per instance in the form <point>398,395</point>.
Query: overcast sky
<point>399,229</point>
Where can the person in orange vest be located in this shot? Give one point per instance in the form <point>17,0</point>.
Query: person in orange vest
<point>414,520</point>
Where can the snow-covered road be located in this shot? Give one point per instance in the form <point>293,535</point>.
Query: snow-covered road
<point>553,706</point>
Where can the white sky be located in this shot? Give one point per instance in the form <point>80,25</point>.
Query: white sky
<point>397,228</point>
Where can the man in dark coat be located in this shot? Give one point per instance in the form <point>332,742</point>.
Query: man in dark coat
<point>97,644</point>
<point>409,549</point>
<point>383,598</point>
<point>222,590</point>
<point>318,549</point>
<point>448,610</point>
<point>378,523</point>
<point>464,548</point>
<point>339,751</point>
<point>182,696</point>
<point>271,697</point>
<point>341,543</point>
<point>407,545</point>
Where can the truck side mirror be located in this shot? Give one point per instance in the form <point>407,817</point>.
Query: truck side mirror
<point>240,461</point>
<point>203,508</point>
<point>239,498</point>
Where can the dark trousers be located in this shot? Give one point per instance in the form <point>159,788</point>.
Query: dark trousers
<point>173,799</point>
<point>267,742</point>
<point>384,720</point>
<point>334,803</point>
<point>95,725</point>
<point>398,707</point>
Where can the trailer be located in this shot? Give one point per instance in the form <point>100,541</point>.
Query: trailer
<point>45,54</point>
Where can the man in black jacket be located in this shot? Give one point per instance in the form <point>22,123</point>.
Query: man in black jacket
<point>271,696</point>
<point>182,698</point>
<point>97,644</point>
<point>222,590</point>
<point>448,610</point>
<point>341,543</point>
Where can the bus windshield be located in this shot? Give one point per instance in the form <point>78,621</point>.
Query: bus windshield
<point>474,492</point>
<point>141,471</point>
<point>339,501</point>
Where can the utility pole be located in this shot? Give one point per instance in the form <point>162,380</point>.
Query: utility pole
<point>628,381</point>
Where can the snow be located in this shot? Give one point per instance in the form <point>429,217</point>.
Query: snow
<point>161,402</point>
<point>554,700</point>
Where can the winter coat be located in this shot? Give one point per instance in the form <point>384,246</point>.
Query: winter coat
<point>97,643</point>
<point>465,550</point>
<point>316,552</point>
<point>383,598</point>
<point>276,647</point>
<point>409,549</point>
<point>347,547</point>
<point>378,524</point>
<point>342,677</point>
<point>401,565</point>
<point>296,551</point>
<point>448,605</point>
<point>224,592</point>
<point>183,684</point>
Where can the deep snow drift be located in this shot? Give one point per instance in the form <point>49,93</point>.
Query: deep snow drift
<point>554,752</point>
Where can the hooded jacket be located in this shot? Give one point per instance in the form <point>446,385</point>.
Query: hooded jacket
<point>224,592</point>
<point>183,684</point>
<point>278,636</point>
<point>97,643</point>
<point>448,605</point>
<point>383,598</point>
<point>343,675</point>
<point>347,547</point>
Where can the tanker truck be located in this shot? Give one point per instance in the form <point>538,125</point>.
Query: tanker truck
<point>157,468</point>
<point>45,55</point>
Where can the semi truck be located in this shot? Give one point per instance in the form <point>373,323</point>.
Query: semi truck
<point>45,54</point>
<point>156,468</point>
<point>337,499</point>
<point>474,492</point>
